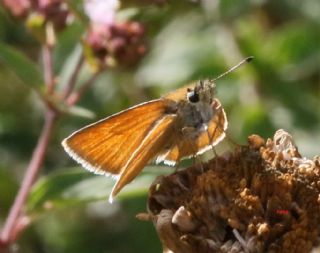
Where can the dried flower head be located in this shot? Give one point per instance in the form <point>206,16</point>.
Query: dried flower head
<point>263,197</point>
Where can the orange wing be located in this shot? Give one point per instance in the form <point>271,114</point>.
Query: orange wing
<point>185,147</point>
<point>151,146</point>
<point>105,147</point>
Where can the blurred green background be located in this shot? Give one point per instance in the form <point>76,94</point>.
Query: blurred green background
<point>187,41</point>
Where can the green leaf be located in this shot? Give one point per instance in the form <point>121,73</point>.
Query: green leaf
<point>72,186</point>
<point>50,189</point>
<point>81,112</point>
<point>127,14</point>
<point>8,189</point>
<point>68,64</point>
<point>24,68</point>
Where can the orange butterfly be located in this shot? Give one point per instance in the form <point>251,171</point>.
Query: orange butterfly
<point>181,124</point>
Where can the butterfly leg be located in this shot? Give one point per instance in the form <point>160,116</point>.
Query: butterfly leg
<point>227,136</point>
<point>220,125</point>
<point>187,133</point>
<point>231,141</point>
<point>210,138</point>
<point>176,166</point>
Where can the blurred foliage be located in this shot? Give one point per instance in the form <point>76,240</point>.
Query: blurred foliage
<point>187,40</point>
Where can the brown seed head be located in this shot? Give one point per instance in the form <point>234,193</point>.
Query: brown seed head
<point>263,197</point>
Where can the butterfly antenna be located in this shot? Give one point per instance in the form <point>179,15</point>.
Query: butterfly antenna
<point>246,60</point>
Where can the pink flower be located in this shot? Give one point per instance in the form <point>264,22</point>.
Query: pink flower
<point>17,7</point>
<point>101,11</point>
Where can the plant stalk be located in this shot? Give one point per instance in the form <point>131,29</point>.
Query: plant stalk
<point>29,178</point>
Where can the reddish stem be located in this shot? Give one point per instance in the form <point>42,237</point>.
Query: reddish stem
<point>30,175</point>
<point>11,229</point>
<point>14,225</point>
<point>73,78</point>
<point>48,67</point>
<point>74,97</point>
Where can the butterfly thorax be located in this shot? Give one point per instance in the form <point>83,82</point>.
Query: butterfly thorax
<point>195,112</point>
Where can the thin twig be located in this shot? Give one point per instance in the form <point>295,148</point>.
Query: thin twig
<point>30,176</point>
<point>75,96</point>
<point>69,87</point>
<point>11,229</point>
<point>48,68</point>
<point>8,233</point>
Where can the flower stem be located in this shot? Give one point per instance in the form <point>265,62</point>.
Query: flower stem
<point>73,78</point>
<point>48,67</point>
<point>74,97</point>
<point>30,176</point>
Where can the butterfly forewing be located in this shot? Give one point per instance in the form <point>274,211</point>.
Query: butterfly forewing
<point>105,147</point>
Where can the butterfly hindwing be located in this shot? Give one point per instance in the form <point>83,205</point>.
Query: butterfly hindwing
<point>151,146</point>
<point>185,147</point>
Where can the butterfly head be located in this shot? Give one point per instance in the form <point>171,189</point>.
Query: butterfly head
<point>204,91</point>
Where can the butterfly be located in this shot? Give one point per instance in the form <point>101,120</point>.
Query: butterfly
<point>181,124</point>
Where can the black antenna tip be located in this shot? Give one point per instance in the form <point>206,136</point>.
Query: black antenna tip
<point>249,59</point>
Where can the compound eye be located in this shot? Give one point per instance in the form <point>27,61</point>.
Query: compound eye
<point>192,96</point>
